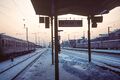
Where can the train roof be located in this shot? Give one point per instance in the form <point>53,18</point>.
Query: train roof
<point>3,36</point>
<point>115,31</point>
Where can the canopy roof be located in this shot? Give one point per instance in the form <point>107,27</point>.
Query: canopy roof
<point>79,7</point>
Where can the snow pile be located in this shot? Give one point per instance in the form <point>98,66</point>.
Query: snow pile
<point>86,71</point>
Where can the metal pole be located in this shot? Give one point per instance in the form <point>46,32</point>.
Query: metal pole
<point>52,39</point>
<point>54,12</point>
<point>69,41</point>
<point>27,37</point>
<point>109,31</point>
<point>56,50</point>
<point>89,44</point>
<point>36,38</point>
<point>56,45</point>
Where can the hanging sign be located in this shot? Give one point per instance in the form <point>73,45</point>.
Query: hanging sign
<point>70,23</point>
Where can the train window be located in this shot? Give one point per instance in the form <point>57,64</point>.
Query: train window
<point>23,45</point>
<point>12,43</point>
<point>119,36</point>
<point>16,44</point>
<point>19,44</point>
<point>3,43</point>
<point>8,43</point>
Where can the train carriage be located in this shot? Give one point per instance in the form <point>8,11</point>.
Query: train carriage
<point>10,46</point>
<point>107,44</point>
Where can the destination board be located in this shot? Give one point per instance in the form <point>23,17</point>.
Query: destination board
<point>70,23</point>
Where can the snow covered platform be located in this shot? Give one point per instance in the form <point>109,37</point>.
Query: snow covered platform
<point>70,68</point>
<point>96,50</point>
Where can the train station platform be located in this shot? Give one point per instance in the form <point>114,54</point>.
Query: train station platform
<point>70,68</point>
<point>44,70</point>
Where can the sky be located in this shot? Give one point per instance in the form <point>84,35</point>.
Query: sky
<point>12,13</point>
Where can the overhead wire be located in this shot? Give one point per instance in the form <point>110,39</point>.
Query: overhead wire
<point>18,8</point>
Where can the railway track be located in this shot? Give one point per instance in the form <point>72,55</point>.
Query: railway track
<point>99,62</point>
<point>7,68</point>
<point>13,71</point>
<point>117,52</point>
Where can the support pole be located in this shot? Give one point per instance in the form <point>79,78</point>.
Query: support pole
<point>52,39</point>
<point>56,50</point>
<point>89,43</point>
<point>54,13</point>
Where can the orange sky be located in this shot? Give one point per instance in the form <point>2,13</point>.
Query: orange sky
<point>12,13</point>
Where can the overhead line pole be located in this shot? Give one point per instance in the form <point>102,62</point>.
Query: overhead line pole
<point>27,36</point>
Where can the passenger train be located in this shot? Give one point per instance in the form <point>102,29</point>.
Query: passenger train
<point>107,44</point>
<point>111,41</point>
<point>12,47</point>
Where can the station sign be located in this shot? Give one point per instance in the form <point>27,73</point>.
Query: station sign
<point>70,23</point>
<point>97,19</point>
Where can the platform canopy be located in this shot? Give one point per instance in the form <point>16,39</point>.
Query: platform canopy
<point>79,7</point>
